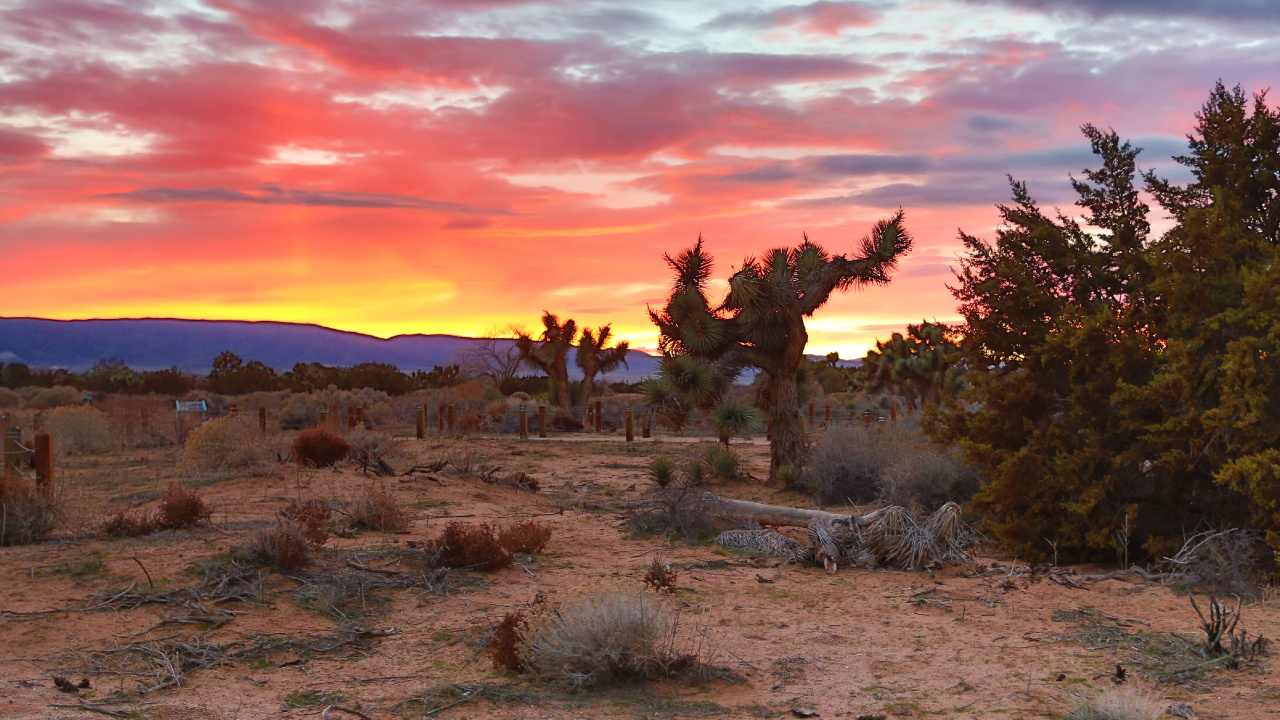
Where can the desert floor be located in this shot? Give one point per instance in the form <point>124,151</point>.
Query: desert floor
<point>953,643</point>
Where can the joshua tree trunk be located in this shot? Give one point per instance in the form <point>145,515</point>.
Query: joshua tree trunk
<point>787,447</point>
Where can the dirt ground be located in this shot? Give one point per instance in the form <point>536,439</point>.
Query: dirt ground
<point>785,638</point>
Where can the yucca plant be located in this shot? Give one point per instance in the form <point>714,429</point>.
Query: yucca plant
<point>734,417</point>
<point>662,470</point>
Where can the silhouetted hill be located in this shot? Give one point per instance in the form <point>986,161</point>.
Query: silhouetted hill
<point>156,343</point>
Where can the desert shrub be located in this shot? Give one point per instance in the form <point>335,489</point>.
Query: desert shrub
<point>225,444</point>
<point>9,398</point>
<point>662,470</point>
<point>380,413</point>
<point>139,420</point>
<point>471,547</point>
<point>1223,561</point>
<point>613,637</point>
<point>318,447</point>
<point>526,537</point>
<point>848,464</point>
<point>721,462</point>
<point>128,524</point>
<point>660,576</point>
<point>78,429</point>
<point>519,480</point>
<point>375,508</point>
<point>283,544</point>
<point>26,514</point>
<point>56,396</point>
<point>182,507</point>
<point>504,645</point>
<point>301,410</point>
<point>925,478</point>
<point>312,515</point>
<point>1117,703</point>
<point>678,511</point>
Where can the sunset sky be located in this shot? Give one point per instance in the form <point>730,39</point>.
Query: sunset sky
<point>402,166</point>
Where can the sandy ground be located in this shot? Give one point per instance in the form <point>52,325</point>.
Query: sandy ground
<point>943,644</point>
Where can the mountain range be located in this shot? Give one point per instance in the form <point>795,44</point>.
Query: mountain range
<point>191,345</point>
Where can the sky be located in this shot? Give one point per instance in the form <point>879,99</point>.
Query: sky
<point>458,166</point>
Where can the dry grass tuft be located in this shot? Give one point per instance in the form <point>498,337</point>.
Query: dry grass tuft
<point>312,515</point>
<point>375,508</point>
<point>527,537</point>
<point>284,545</point>
<point>318,447</point>
<point>182,507</point>
<point>471,547</point>
<point>1122,703</point>
<point>128,524</point>
<point>26,514</point>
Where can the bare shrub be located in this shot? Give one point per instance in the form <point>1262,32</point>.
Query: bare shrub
<point>613,637</point>
<point>318,447</point>
<point>224,445</point>
<point>312,515</point>
<point>504,645</point>
<point>527,537</point>
<point>78,429</point>
<point>520,481</point>
<point>1116,703</point>
<point>925,478</point>
<point>26,514</point>
<point>182,507</point>
<point>848,464</point>
<point>471,547</point>
<point>283,544</point>
<point>677,511</point>
<point>1222,560</point>
<point>375,508</point>
<point>129,524</point>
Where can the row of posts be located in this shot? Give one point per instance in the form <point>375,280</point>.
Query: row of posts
<point>445,418</point>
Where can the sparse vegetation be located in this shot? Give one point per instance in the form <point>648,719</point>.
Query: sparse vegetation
<point>1125,702</point>
<point>79,429</point>
<point>526,537</point>
<point>471,547</point>
<point>848,464</point>
<point>182,507</point>
<point>504,645</point>
<point>26,514</point>
<point>284,545</point>
<point>224,445</point>
<point>375,508</point>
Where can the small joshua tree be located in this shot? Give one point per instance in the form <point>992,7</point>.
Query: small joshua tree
<point>760,323</point>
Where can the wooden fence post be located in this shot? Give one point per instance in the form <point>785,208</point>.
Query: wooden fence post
<point>44,463</point>
<point>810,416</point>
<point>440,419</point>
<point>234,411</point>
<point>631,429</point>
<point>351,417</point>
<point>450,418</point>
<point>893,413</point>
<point>598,419</point>
<point>422,422</point>
<point>334,417</point>
<point>524,423</point>
<point>262,419</point>
<point>542,421</point>
<point>826,415</point>
<point>646,426</point>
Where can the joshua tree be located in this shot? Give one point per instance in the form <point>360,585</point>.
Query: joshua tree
<point>915,366</point>
<point>549,353</point>
<point>593,357</point>
<point>760,323</point>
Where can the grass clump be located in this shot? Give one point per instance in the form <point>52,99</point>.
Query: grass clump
<point>527,537</point>
<point>721,462</point>
<point>283,545</point>
<point>318,447</point>
<point>128,524</point>
<point>473,547</point>
<point>662,470</point>
<point>614,637</point>
<point>375,508</point>
<point>26,514</point>
<point>1118,703</point>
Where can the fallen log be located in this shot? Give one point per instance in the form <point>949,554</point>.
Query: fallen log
<point>782,515</point>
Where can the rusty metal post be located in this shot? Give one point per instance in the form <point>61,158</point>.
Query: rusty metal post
<point>524,423</point>
<point>334,417</point>
<point>234,411</point>
<point>422,422</point>
<point>599,424</point>
<point>351,417</point>
<point>440,419</point>
<point>262,419</point>
<point>826,416</point>
<point>811,408</point>
<point>646,426</point>
<point>631,427</point>
<point>542,421</point>
<point>893,413</point>
<point>450,418</point>
<point>44,463</point>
